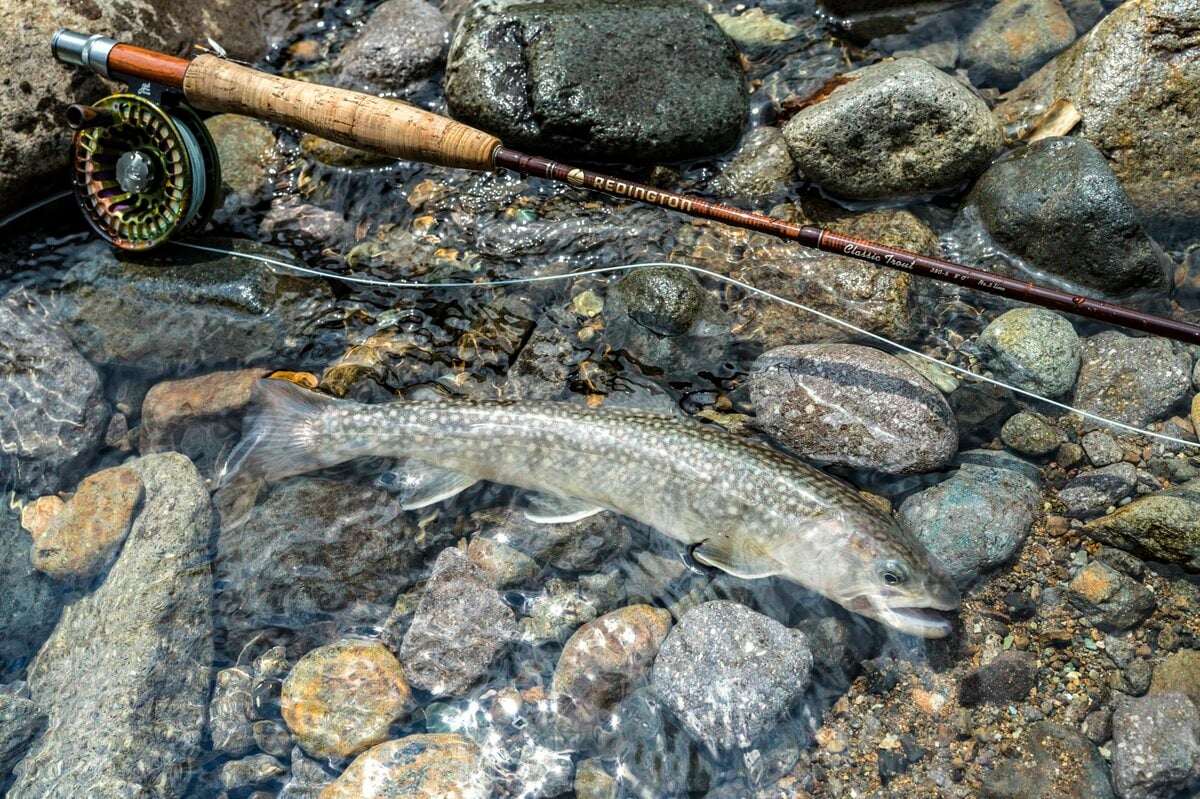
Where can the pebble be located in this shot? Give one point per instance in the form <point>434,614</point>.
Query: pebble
<point>273,738</point>
<point>1029,434</point>
<point>761,167</point>
<point>1033,349</point>
<point>1178,672</point>
<point>418,766</point>
<point>1130,380</point>
<point>592,781</point>
<point>1163,526</point>
<point>1098,726</point>
<point>343,698</point>
<point>978,518</point>
<point>728,673</point>
<point>20,722</point>
<point>1109,599</point>
<point>81,540</point>
<point>603,660</point>
<point>231,713</point>
<point>527,73</point>
<point>1101,448</point>
<point>1014,39</point>
<point>1058,763</point>
<point>1057,204</point>
<point>37,515</point>
<point>507,566</point>
<point>461,625</point>
<point>1007,678</point>
<point>308,778</point>
<point>557,612</point>
<point>402,41</point>
<point>1093,492</point>
<point>855,406</point>
<point>867,139</point>
<point>1156,746</point>
<point>55,412</point>
<point>250,771</point>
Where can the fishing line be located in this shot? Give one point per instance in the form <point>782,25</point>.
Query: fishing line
<point>400,284</point>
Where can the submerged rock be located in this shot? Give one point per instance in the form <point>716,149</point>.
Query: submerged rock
<point>978,518</point>
<point>461,625</point>
<point>1133,78</point>
<point>1131,380</point>
<point>197,416</point>
<point>178,308</point>
<point>762,166</point>
<point>1033,349</point>
<point>402,41</point>
<point>30,601</point>
<point>20,721</point>
<point>1057,204</point>
<point>526,71</point>
<point>1178,672</point>
<point>124,677</point>
<point>81,540</point>
<point>1109,599</point>
<point>580,546</point>
<point>901,128</point>
<point>54,408</point>
<point>851,405</point>
<point>251,771</point>
<point>438,765</point>
<point>231,713</point>
<point>1092,493</point>
<point>1156,746</point>
<point>246,153</point>
<point>343,698</point>
<point>1007,679</point>
<point>1057,762</point>
<point>1014,39</point>
<point>1029,434</point>
<point>728,673</point>
<point>1163,526</point>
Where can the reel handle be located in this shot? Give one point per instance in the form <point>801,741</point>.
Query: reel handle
<point>347,117</point>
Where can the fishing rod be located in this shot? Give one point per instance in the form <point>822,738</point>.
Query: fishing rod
<point>145,168</point>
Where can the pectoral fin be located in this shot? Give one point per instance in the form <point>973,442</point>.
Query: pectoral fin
<point>739,557</point>
<point>422,484</point>
<point>551,509</point>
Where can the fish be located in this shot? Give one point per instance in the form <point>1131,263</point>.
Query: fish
<point>741,505</point>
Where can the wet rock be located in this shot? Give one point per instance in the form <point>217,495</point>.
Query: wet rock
<point>592,781</point>
<point>557,612</point>
<point>30,601</point>
<point>603,660</point>
<point>1069,454</point>
<point>309,777</point>
<point>55,412</point>
<point>304,224</point>
<point>177,309</point>
<point>897,129</point>
<point>1092,493</point>
<point>37,515</point>
<point>855,406</point>
<point>508,566</point>
<point>1132,78</point>
<point>460,627</point>
<point>402,41</point>
<point>978,518</point>
<point>1101,448</point>
<point>666,319</point>
<point>315,553</point>
<point>1057,762</point>
<point>581,546</point>
<point>1006,679</point>
<point>250,771</point>
<point>1014,39</point>
<point>343,698</point>
<point>20,721</point>
<point>1178,671</point>
<point>231,712</point>
<point>273,738</point>
<point>653,750</point>
<point>82,539</point>
<point>1029,434</point>
<point>1130,380</point>
<point>1109,599</point>
<point>727,673</point>
<point>197,416</point>
<point>444,764</point>
<point>246,152</point>
<point>34,93</point>
<point>147,629</point>
<point>761,167</point>
<point>527,73</point>
<point>1156,746</point>
<point>1163,526</point>
<point>1057,204</point>
<point>543,367</point>
<point>1033,349</point>
<point>1098,726</point>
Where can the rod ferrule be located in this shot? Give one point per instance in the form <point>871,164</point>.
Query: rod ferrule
<point>83,50</point>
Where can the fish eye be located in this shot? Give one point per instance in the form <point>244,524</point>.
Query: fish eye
<point>892,572</point>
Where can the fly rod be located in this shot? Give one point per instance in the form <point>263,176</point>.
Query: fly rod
<point>145,169</point>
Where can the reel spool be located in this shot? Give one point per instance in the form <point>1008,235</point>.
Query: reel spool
<point>143,172</point>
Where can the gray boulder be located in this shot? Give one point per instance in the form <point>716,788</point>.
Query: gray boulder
<point>54,408</point>
<point>30,601</point>
<point>901,128</point>
<point>1131,380</point>
<point>526,70</point>
<point>855,406</point>
<point>402,41</point>
<point>124,677</point>
<point>1091,493</point>
<point>1156,746</point>
<point>1057,204</point>
<point>1014,39</point>
<point>1032,349</point>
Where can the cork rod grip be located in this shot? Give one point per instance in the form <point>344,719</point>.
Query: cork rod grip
<point>351,118</point>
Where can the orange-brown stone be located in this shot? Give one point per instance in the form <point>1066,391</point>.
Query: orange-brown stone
<point>445,765</point>
<point>82,538</point>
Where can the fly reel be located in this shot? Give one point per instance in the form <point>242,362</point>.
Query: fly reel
<point>142,171</point>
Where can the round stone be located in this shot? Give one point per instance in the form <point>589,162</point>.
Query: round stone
<point>438,765</point>
<point>1033,349</point>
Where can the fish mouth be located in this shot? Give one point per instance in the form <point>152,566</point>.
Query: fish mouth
<point>923,622</point>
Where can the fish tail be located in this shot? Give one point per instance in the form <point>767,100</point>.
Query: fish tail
<point>282,435</point>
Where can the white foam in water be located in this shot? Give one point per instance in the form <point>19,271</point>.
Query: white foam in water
<point>370,281</point>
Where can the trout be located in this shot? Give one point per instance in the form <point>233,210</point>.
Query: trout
<point>742,506</point>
